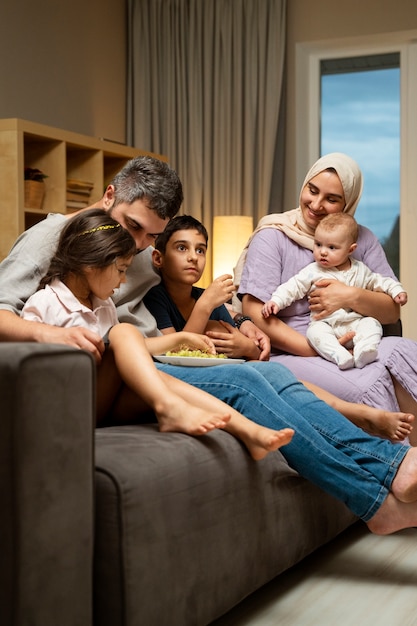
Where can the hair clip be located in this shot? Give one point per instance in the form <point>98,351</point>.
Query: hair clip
<point>97,228</point>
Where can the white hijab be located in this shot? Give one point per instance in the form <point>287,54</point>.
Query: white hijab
<point>292,222</point>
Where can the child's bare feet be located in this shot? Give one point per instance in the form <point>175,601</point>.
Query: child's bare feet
<point>177,415</point>
<point>404,485</point>
<point>389,425</point>
<point>260,440</point>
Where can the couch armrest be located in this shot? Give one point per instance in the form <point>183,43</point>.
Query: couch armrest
<point>46,485</point>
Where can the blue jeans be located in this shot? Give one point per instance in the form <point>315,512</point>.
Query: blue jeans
<point>326,449</point>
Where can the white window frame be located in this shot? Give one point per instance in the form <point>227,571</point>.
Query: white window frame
<point>308,77</point>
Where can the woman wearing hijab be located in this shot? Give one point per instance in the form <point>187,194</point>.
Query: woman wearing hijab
<point>280,247</point>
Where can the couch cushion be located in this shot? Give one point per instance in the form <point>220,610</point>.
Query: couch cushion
<point>186,527</point>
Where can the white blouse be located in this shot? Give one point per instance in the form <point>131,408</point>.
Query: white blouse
<point>57,305</point>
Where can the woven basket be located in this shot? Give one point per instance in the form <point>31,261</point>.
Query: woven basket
<point>34,194</point>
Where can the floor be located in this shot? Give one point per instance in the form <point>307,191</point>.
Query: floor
<point>357,580</point>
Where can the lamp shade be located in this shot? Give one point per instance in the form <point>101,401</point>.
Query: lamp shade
<point>230,235</point>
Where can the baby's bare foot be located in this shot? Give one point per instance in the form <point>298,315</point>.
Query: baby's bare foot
<point>388,425</point>
<point>181,417</point>
<point>404,485</point>
<point>261,440</point>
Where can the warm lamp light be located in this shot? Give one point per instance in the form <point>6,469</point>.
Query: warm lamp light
<point>230,235</point>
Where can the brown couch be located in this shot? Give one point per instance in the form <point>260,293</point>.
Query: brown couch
<point>125,526</point>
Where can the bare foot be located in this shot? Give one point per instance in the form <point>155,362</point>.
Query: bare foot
<point>404,485</point>
<point>261,440</point>
<point>177,415</point>
<point>388,425</point>
<point>392,516</point>
<point>378,422</point>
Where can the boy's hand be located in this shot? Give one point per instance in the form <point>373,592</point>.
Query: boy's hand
<point>198,342</point>
<point>219,292</point>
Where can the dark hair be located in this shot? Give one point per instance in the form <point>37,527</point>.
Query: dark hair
<point>90,238</point>
<point>149,179</point>
<point>182,222</point>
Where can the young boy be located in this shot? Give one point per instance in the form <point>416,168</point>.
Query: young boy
<point>180,257</point>
<point>334,241</point>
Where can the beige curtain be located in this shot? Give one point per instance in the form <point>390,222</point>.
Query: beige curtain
<point>205,80</point>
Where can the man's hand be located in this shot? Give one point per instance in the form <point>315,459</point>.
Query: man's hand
<point>75,336</point>
<point>259,338</point>
<point>233,343</point>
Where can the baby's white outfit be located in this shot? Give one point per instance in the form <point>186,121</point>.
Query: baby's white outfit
<point>323,334</point>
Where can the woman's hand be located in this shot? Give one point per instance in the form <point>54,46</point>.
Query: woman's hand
<point>327,297</point>
<point>331,295</point>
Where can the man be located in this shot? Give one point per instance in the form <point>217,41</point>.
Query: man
<point>142,197</point>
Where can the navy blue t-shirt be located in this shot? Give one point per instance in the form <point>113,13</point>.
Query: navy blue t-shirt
<point>159,303</point>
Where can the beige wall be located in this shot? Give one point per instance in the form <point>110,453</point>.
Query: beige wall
<point>323,20</point>
<point>64,64</point>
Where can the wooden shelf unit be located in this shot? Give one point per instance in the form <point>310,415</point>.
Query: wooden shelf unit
<point>60,155</point>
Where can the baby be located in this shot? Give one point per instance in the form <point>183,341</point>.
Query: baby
<point>334,241</point>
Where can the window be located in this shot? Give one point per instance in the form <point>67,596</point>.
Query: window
<point>308,132</point>
<point>360,115</point>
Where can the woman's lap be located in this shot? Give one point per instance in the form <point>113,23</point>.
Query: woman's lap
<point>371,385</point>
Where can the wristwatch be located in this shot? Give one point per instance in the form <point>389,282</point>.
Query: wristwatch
<point>239,319</point>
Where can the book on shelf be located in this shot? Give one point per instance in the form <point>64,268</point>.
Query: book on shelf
<point>74,184</point>
<point>77,204</point>
<point>78,195</point>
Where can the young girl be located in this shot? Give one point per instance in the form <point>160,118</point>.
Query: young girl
<point>90,262</point>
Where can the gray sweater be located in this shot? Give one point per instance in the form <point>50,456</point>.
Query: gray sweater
<point>29,259</point>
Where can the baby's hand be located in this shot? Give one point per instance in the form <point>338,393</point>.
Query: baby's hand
<point>401,298</point>
<point>269,308</point>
